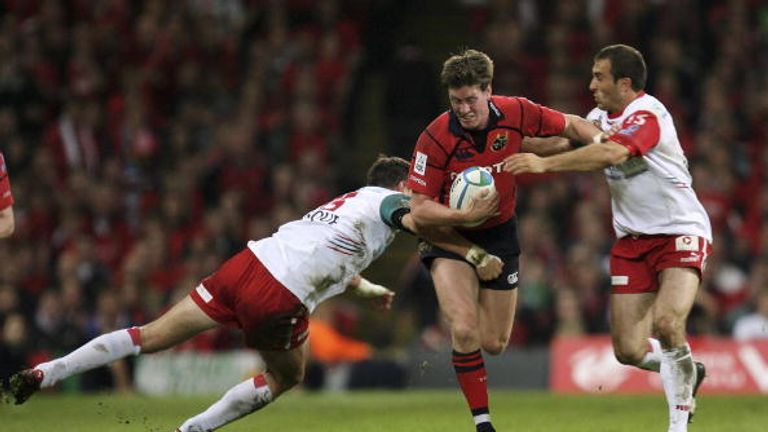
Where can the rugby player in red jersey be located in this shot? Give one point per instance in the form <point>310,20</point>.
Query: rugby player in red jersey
<point>480,129</point>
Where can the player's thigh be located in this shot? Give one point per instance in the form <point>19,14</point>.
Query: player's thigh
<point>184,320</point>
<point>457,288</point>
<point>286,368</point>
<point>677,293</point>
<point>631,319</point>
<point>497,312</point>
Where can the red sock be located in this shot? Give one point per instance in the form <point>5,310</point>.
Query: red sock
<point>135,334</point>
<point>470,371</point>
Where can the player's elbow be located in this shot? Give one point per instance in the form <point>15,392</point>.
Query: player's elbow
<point>419,215</point>
<point>615,154</point>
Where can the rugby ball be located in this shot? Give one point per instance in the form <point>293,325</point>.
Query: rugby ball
<point>467,185</point>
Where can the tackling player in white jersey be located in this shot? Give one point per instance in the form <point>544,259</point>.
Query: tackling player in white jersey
<point>663,232</point>
<point>269,289</point>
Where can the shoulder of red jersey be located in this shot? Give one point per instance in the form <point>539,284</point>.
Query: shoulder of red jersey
<point>509,104</point>
<point>437,138</point>
<point>440,123</point>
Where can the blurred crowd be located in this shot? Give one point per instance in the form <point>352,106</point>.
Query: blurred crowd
<point>146,141</point>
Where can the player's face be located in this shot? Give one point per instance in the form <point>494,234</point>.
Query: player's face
<point>604,87</point>
<point>470,104</point>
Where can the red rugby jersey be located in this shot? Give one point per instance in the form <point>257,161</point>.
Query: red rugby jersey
<point>445,149</point>
<point>6,199</point>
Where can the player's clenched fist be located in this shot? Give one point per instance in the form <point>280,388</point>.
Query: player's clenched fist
<point>487,266</point>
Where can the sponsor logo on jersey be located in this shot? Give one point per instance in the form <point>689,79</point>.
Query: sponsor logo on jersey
<point>687,243</point>
<point>629,130</point>
<point>420,164</point>
<point>418,180</point>
<point>493,169</point>
<point>500,141</point>
<point>322,216</point>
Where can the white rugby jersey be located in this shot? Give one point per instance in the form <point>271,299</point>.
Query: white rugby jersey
<point>651,192</point>
<point>316,257</point>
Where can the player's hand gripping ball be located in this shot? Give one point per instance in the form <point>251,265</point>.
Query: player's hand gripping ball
<point>469,184</point>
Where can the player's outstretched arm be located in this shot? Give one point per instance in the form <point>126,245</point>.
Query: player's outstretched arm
<point>600,154</point>
<point>362,287</point>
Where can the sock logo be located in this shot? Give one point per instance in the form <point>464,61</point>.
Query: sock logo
<point>683,407</point>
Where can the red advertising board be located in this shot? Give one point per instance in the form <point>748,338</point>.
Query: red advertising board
<point>587,365</point>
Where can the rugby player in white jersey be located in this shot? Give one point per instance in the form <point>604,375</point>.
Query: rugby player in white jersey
<point>270,288</point>
<point>663,232</point>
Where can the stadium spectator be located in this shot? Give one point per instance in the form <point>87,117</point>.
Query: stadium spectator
<point>755,325</point>
<point>479,129</point>
<point>14,344</point>
<point>269,289</point>
<point>339,361</point>
<point>663,232</point>
<point>7,220</point>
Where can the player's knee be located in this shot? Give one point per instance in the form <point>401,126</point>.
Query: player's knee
<point>628,355</point>
<point>496,346</point>
<point>668,327</point>
<point>288,379</point>
<point>464,334</point>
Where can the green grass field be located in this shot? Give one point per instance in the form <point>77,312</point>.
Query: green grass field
<point>428,411</point>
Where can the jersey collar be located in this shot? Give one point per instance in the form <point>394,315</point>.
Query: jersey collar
<point>640,94</point>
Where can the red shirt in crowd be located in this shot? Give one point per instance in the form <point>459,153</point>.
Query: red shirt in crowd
<point>6,198</point>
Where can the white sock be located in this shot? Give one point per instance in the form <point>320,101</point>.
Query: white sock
<point>98,352</point>
<point>677,376</point>
<point>242,399</point>
<point>652,359</point>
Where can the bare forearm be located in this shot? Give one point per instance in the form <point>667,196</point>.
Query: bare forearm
<point>589,158</point>
<point>445,238</point>
<point>579,129</point>
<point>546,146</point>
<point>430,213</point>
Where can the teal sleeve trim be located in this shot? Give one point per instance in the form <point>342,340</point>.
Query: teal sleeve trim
<point>392,209</point>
